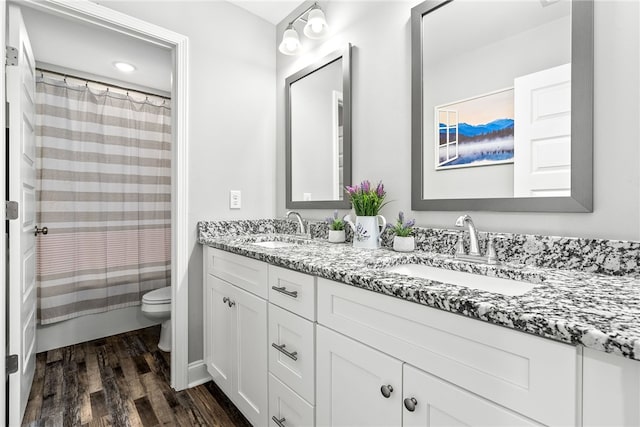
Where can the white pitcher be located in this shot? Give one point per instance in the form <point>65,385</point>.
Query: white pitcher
<point>367,230</point>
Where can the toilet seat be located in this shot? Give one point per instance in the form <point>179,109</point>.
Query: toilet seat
<point>158,296</point>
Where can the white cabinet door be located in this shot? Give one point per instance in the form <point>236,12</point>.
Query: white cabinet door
<point>350,381</point>
<point>236,346</point>
<point>430,401</point>
<point>250,379</point>
<point>219,333</point>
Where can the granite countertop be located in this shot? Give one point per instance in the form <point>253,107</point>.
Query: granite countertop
<point>598,311</point>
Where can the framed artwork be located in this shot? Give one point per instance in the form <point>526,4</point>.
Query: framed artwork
<point>475,131</point>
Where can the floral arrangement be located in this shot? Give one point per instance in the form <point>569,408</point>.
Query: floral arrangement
<point>366,200</point>
<point>335,223</point>
<point>403,228</point>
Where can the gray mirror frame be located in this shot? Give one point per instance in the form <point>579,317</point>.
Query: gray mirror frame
<point>345,54</point>
<point>581,199</point>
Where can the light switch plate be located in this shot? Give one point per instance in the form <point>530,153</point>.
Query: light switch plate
<point>235,199</point>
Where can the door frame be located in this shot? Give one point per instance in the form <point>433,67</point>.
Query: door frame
<point>95,14</point>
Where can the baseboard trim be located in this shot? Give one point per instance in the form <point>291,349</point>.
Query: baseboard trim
<point>197,373</point>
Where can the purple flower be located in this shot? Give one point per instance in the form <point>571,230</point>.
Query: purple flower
<point>409,223</point>
<point>351,189</point>
<point>401,217</point>
<point>366,186</point>
<point>380,189</point>
<point>335,214</point>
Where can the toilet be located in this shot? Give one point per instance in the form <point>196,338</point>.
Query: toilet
<point>157,305</point>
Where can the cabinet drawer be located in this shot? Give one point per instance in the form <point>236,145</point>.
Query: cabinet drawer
<point>293,291</point>
<point>294,363</point>
<point>285,403</point>
<point>531,375</point>
<point>430,401</point>
<point>246,273</point>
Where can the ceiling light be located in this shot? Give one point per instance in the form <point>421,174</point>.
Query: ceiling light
<point>316,28</point>
<point>290,41</point>
<point>124,67</point>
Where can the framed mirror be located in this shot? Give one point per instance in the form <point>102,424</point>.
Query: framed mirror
<point>502,105</point>
<point>318,133</point>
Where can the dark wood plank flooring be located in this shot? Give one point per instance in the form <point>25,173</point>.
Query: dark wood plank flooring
<point>123,380</point>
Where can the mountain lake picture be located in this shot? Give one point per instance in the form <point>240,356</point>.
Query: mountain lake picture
<point>475,132</point>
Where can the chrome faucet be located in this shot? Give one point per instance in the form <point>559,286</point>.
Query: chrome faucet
<point>474,255</point>
<point>474,248</point>
<point>303,229</point>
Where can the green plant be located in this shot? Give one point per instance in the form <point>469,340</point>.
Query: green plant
<point>403,228</point>
<point>366,200</point>
<point>335,223</point>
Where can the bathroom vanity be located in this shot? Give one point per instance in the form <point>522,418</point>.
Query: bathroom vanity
<point>304,332</point>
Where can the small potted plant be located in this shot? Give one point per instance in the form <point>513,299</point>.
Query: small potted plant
<point>336,228</point>
<point>367,201</point>
<point>403,230</point>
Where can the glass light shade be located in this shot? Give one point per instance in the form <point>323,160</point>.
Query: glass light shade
<point>317,26</point>
<point>290,42</point>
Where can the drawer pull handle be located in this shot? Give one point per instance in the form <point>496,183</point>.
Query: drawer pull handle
<point>280,348</point>
<point>283,290</point>
<point>279,422</point>
<point>410,403</point>
<point>386,390</point>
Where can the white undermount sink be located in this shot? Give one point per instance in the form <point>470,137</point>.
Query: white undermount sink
<point>496,285</point>
<point>271,244</point>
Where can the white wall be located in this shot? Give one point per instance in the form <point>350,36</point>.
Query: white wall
<point>380,33</point>
<point>231,118</point>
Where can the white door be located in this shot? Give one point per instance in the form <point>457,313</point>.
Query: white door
<point>250,379</point>
<point>430,401</point>
<point>355,385</point>
<point>219,334</point>
<point>22,181</point>
<point>542,134</point>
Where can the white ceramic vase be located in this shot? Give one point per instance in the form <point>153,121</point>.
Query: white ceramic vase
<point>404,244</point>
<point>366,230</point>
<point>336,236</point>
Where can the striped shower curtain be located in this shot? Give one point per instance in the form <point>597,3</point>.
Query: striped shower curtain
<point>104,193</point>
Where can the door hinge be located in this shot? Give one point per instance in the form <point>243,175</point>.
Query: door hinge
<point>11,210</point>
<point>11,56</point>
<point>12,364</point>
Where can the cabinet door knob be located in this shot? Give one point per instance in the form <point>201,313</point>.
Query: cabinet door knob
<point>231,303</point>
<point>386,390</point>
<point>43,230</point>
<point>410,403</point>
<point>279,422</point>
<point>225,300</point>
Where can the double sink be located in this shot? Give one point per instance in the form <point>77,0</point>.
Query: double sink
<point>497,285</point>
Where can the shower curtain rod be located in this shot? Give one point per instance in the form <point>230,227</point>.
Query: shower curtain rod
<point>65,75</point>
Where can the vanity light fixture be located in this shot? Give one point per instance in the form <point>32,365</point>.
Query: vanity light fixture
<point>124,67</point>
<point>290,41</point>
<point>316,27</point>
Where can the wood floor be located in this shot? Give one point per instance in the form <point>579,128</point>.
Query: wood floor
<point>122,380</point>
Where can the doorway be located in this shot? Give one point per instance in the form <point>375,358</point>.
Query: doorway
<point>92,14</point>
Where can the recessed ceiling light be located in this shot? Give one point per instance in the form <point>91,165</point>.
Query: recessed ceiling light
<point>124,67</point>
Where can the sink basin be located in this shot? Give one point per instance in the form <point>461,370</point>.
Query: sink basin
<point>496,285</point>
<point>272,244</point>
